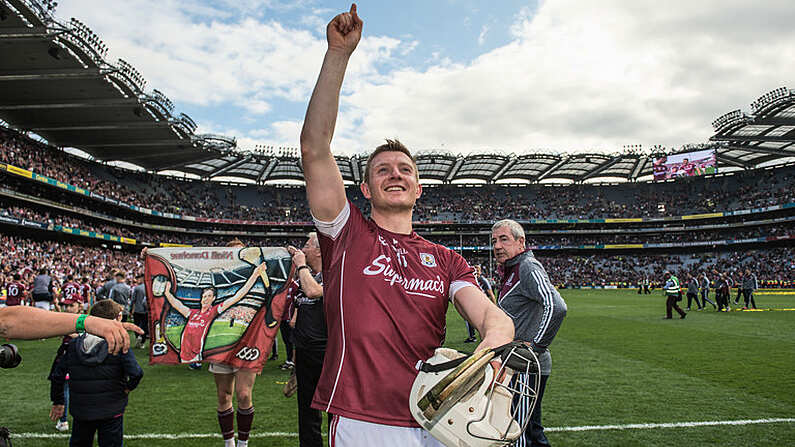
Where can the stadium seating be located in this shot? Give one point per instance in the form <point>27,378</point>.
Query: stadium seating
<point>587,234</point>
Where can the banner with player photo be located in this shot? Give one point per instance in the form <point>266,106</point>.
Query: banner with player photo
<point>215,305</point>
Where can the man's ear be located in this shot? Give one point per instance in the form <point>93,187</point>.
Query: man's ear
<point>365,188</point>
<point>419,190</point>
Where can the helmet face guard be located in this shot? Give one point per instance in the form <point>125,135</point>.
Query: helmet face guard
<point>472,400</point>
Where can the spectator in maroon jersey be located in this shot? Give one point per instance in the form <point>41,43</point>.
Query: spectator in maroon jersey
<point>15,292</point>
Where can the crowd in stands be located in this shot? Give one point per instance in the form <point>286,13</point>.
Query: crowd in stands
<point>52,216</point>
<point>631,237</point>
<point>446,202</point>
<point>689,196</point>
<point>26,256</point>
<point>773,268</point>
<point>449,203</point>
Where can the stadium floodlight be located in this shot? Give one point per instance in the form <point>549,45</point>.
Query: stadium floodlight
<point>187,122</point>
<point>43,9</point>
<point>163,100</point>
<point>131,76</point>
<point>727,119</point>
<point>83,37</point>
<point>769,98</point>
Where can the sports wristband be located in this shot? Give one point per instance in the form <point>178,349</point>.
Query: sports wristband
<point>80,325</point>
<point>301,268</point>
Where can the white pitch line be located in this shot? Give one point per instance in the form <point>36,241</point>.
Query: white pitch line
<point>671,425</point>
<point>548,429</point>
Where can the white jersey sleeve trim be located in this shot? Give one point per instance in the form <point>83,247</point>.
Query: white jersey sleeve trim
<point>455,286</point>
<point>333,228</point>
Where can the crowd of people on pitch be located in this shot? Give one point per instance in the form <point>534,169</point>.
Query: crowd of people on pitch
<point>440,202</point>
<point>26,257</point>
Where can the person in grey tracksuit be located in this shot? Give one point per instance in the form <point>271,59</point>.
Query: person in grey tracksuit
<point>537,310</point>
<point>705,292</point>
<point>692,293</point>
<point>749,285</point>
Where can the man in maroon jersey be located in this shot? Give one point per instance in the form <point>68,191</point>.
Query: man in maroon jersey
<point>86,291</point>
<point>15,291</point>
<point>385,289</point>
<point>71,292</point>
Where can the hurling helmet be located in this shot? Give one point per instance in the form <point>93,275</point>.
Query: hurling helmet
<point>470,400</point>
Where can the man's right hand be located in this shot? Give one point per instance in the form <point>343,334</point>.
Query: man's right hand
<point>299,258</point>
<point>56,412</point>
<point>344,31</point>
<point>114,332</point>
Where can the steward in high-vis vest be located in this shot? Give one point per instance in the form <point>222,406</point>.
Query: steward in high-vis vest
<point>673,294</point>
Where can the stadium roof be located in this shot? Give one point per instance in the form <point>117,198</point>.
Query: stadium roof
<point>56,82</point>
<point>766,135</point>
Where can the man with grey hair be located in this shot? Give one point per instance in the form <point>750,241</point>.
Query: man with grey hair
<point>536,308</point>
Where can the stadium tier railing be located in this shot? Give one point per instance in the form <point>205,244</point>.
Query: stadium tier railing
<point>300,231</point>
<point>46,226</point>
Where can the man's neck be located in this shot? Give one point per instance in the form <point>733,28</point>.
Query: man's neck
<point>315,264</point>
<point>395,221</point>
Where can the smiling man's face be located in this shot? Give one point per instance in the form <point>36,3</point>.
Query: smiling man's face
<point>392,182</point>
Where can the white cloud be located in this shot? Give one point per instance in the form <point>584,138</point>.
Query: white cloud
<point>222,58</point>
<point>590,75</point>
<point>576,76</point>
<point>482,36</point>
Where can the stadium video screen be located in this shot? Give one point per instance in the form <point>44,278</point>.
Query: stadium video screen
<point>686,164</point>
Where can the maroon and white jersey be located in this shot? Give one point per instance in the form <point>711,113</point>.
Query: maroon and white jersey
<point>15,293</point>
<point>385,298</point>
<point>85,292</point>
<point>71,291</point>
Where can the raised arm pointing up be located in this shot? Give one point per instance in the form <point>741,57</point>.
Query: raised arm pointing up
<point>324,188</point>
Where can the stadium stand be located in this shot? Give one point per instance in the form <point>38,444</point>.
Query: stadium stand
<point>608,223</point>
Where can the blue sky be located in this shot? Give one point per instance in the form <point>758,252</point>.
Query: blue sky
<point>465,32</point>
<point>459,75</point>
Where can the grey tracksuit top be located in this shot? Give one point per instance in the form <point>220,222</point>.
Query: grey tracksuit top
<point>535,306</point>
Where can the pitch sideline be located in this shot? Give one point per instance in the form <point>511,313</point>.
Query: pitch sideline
<point>171,436</point>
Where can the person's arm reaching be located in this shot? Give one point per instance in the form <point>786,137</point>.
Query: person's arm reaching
<point>132,371</point>
<point>175,303</point>
<point>260,271</point>
<point>57,379</point>
<point>30,323</point>
<point>309,286</point>
<point>325,190</point>
<point>494,325</point>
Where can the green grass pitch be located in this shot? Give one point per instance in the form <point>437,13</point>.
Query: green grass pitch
<point>221,334</point>
<point>615,361</point>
